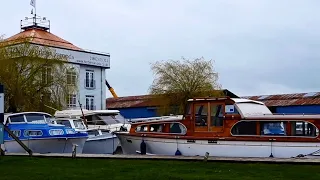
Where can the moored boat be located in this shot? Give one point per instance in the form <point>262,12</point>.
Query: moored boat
<point>100,141</point>
<point>36,131</point>
<point>226,127</point>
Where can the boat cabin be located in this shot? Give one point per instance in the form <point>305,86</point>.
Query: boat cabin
<point>230,118</point>
<point>25,125</point>
<point>78,125</point>
<point>95,117</point>
<point>27,117</point>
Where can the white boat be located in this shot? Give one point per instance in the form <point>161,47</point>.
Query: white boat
<point>110,120</point>
<point>226,127</point>
<point>100,141</point>
<point>38,134</point>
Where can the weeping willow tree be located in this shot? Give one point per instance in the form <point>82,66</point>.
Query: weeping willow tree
<point>176,81</point>
<point>34,77</point>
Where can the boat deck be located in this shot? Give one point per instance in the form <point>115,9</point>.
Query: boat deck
<point>299,160</point>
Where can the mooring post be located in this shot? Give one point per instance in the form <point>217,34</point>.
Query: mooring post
<point>206,156</point>
<point>74,152</point>
<point>1,119</point>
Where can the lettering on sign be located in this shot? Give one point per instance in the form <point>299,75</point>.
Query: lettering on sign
<point>72,56</point>
<point>86,58</point>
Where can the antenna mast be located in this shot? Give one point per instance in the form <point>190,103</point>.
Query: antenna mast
<point>35,21</point>
<point>33,3</point>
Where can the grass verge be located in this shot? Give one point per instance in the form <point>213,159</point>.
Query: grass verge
<point>65,168</point>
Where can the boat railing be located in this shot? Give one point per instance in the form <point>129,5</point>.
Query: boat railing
<point>136,120</point>
<point>295,114</point>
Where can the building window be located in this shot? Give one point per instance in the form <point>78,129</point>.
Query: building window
<point>90,103</point>
<point>89,80</point>
<point>71,77</point>
<point>72,100</point>
<point>46,75</point>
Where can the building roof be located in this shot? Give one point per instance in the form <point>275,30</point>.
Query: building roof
<point>130,101</point>
<point>142,101</point>
<point>311,98</point>
<point>42,37</point>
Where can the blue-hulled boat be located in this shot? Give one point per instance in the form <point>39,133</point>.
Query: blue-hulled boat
<point>37,132</point>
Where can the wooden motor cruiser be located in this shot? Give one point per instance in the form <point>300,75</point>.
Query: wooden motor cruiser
<point>226,127</point>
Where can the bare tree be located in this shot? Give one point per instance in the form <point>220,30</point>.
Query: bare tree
<point>34,77</point>
<point>176,81</point>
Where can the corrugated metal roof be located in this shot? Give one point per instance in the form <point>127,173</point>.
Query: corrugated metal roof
<point>269,100</point>
<point>142,101</point>
<point>130,101</point>
<point>289,99</point>
<point>42,37</point>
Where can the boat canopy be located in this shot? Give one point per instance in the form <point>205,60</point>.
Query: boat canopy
<point>77,113</point>
<point>27,117</point>
<point>248,107</point>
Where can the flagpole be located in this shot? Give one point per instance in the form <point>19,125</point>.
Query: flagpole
<point>35,11</point>
<point>34,4</point>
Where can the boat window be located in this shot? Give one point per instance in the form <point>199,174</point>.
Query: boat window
<point>216,115</point>
<point>188,109</point>
<point>244,128</point>
<point>156,127</point>
<point>120,118</point>
<point>273,128</point>
<point>64,122</point>
<point>177,128</point>
<point>48,119</point>
<point>142,128</point>
<point>108,120</point>
<point>231,109</point>
<point>112,119</point>
<point>16,133</point>
<point>93,133</point>
<point>201,114</point>
<point>78,124</point>
<point>17,118</point>
<point>32,133</point>
<point>105,131</point>
<point>35,118</point>
<point>55,132</point>
<point>301,128</point>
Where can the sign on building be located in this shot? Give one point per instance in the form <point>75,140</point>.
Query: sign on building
<point>72,56</point>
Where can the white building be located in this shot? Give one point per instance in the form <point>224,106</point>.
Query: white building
<point>90,66</point>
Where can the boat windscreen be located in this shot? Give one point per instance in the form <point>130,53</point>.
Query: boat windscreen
<point>112,119</point>
<point>64,122</point>
<point>250,109</point>
<point>36,118</point>
<point>78,124</point>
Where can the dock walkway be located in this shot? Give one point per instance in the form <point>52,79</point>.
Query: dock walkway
<point>298,160</point>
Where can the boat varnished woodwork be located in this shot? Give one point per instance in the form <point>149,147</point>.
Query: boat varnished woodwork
<point>224,132</point>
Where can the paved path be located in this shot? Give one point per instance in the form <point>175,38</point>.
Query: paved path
<point>300,160</point>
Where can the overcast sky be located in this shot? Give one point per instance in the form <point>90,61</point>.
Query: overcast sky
<point>259,46</point>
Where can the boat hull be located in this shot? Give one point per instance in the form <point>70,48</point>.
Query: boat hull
<point>220,148</point>
<point>54,145</point>
<point>101,145</point>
